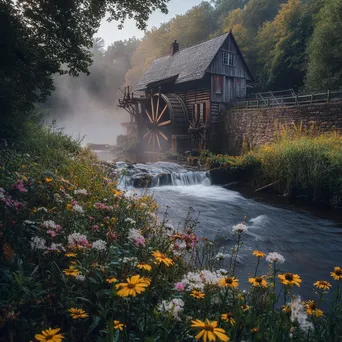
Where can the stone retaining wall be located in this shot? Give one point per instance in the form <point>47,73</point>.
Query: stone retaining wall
<point>259,126</point>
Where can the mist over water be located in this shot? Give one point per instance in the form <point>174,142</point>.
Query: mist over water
<point>83,115</point>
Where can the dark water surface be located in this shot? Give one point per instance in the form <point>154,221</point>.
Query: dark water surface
<point>311,245</point>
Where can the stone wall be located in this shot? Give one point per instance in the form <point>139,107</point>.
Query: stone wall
<point>259,126</point>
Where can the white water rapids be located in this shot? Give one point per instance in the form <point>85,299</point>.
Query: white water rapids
<point>312,246</point>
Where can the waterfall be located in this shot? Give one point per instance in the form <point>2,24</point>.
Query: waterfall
<point>159,174</point>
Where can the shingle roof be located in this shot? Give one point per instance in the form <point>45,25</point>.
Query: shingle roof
<point>189,64</point>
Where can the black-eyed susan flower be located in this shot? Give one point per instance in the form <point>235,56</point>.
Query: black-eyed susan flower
<point>197,294</point>
<point>228,317</point>
<point>259,254</point>
<point>49,335</point>
<point>322,284</point>
<point>145,267</point>
<point>286,308</point>
<point>209,331</point>
<point>111,280</point>
<point>258,281</point>
<point>48,180</point>
<point>290,279</point>
<point>70,255</point>
<point>311,309</point>
<point>162,258</point>
<point>118,325</point>
<point>77,313</point>
<point>229,282</point>
<point>337,273</point>
<point>135,285</point>
<point>71,271</point>
<point>245,307</point>
<point>254,330</point>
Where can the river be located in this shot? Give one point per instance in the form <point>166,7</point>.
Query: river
<point>311,245</point>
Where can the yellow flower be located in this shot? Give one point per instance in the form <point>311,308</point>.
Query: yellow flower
<point>111,280</point>
<point>312,309</point>
<point>258,281</point>
<point>68,206</point>
<point>337,274</point>
<point>161,258</point>
<point>144,266</point>
<point>290,279</point>
<point>228,317</point>
<point>48,180</point>
<point>135,285</point>
<point>322,284</point>
<point>197,294</point>
<point>245,307</point>
<point>209,331</point>
<point>254,330</point>
<point>286,308</point>
<point>77,313</point>
<point>49,335</point>
<point>229,282</point>
<point>118,325</point>
<point>70,255</point>
<point>259,254</point>
<point>71,271</point>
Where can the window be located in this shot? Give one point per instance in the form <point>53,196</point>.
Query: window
<point>218,84</point>
<point>228,58</point>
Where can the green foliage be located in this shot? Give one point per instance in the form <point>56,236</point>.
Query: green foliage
<point>325,60</point>
<point>303,164</point>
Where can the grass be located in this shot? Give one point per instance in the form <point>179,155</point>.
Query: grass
<point>82,260</point>
<point>303,165</point>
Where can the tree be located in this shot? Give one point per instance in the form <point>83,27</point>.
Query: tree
<point>43,37</point>
<point>325,57</point>
<point>192,28</point>
<point>284,63</point>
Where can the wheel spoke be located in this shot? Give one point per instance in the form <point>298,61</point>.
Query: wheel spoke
<point>153,138</point>
<point>152,106</point>
<point>157,108</point>
<point>148,114</point>
<point>164,123</point>
<point>149,139</point>
<point>161,114</point>
<point>149,132</point>
<point>158,142</point>
<point>163,135</point>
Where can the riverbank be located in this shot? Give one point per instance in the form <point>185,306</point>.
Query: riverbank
<point>82,259</point>
<point>299,166</point>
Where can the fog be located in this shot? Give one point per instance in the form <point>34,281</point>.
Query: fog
<point>83,115</point>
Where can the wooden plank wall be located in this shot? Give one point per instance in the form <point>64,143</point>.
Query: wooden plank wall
<point>190,97</point>
<point>237,70</point>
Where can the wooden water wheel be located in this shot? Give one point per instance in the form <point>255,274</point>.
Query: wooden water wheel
<point>199,126</point>
<point>165,115</point>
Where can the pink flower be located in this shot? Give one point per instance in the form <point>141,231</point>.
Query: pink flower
<point>179,287</point>
<point>58,227</point>
<point>91,218</point>
<point>52,233</point>
<point>140,241</point>
<point>20,186</point>
<point>95,227</point>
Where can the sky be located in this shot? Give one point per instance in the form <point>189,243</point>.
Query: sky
<point>110,33</point>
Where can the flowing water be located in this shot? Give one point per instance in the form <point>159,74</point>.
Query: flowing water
<point>311,245</point>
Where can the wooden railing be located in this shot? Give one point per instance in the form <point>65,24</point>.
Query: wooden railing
<point>285,101</point>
